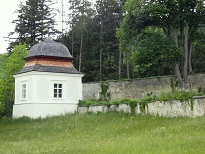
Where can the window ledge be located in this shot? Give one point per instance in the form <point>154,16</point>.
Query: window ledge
<point>58,98</point>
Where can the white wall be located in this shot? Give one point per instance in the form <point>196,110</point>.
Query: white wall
<point>39,100</point>
<point>42,110</point>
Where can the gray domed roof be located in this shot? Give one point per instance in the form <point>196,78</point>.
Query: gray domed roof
<point>50,48</point>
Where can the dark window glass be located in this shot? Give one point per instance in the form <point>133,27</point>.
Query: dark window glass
<point>55,95</point>
<point>58,91</point>
<point>60,85</point>
<point>59,95</point>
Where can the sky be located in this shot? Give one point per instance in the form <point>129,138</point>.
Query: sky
<point>7,9</point>
<point>7,15</point>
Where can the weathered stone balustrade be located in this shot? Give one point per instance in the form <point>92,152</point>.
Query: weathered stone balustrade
<point>191,108</point>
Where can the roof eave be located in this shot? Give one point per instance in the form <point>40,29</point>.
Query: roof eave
<point>43,56</point>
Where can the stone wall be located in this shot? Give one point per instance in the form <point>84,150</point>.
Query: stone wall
<point>137,88</point>
<point>167,109</point>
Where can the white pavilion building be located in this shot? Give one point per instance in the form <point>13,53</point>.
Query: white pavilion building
<point>48,84</point>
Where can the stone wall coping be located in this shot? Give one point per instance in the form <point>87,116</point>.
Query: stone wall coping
<point>198,97</point>
<point>133,79</point>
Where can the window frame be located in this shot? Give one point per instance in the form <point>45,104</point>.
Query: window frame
<point>57,90</point>
<point>23,91</point>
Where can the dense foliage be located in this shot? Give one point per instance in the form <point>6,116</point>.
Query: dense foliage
<point>113,39</point>
<point>153,53</point>
<point>179,19</point>
<point>9,65</point>
<point>91,38</point>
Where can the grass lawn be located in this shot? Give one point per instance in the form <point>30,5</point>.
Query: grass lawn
<point>112,133</point>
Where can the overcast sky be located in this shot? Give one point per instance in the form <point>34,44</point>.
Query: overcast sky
<point>7,15</point>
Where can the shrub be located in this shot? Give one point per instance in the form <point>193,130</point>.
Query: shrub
<point>177,95</point>
<point>104,94</point>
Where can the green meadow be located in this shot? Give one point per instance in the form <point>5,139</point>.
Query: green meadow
<point>112,133</point>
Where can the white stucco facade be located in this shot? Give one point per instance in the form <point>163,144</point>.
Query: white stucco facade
<point>34,94</point>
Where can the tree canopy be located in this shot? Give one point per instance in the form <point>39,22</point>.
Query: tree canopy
<point>35,22</point>
<point>179,19</point>
<point>9,65</point>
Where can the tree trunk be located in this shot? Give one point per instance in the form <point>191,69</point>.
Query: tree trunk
<point>190,52</point>
<point>120,63</point>
<point>100,64</point>
<point>73,41</point>
<point>127,65</point>
<point>101,47</point>
<point>175,38</point>
<point>178,75</point>
<point>177,64</point>
<point>182,32</point>
<point>186,53</point>
<point>81,49</point>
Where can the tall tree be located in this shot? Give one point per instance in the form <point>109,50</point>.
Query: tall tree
<point>98,37</point>
<point>127,30</point>
<point>35,22</point>
<point>80,12</point>
<point>121,12</point>
<point>179,19</point>
<point>108,17</point>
